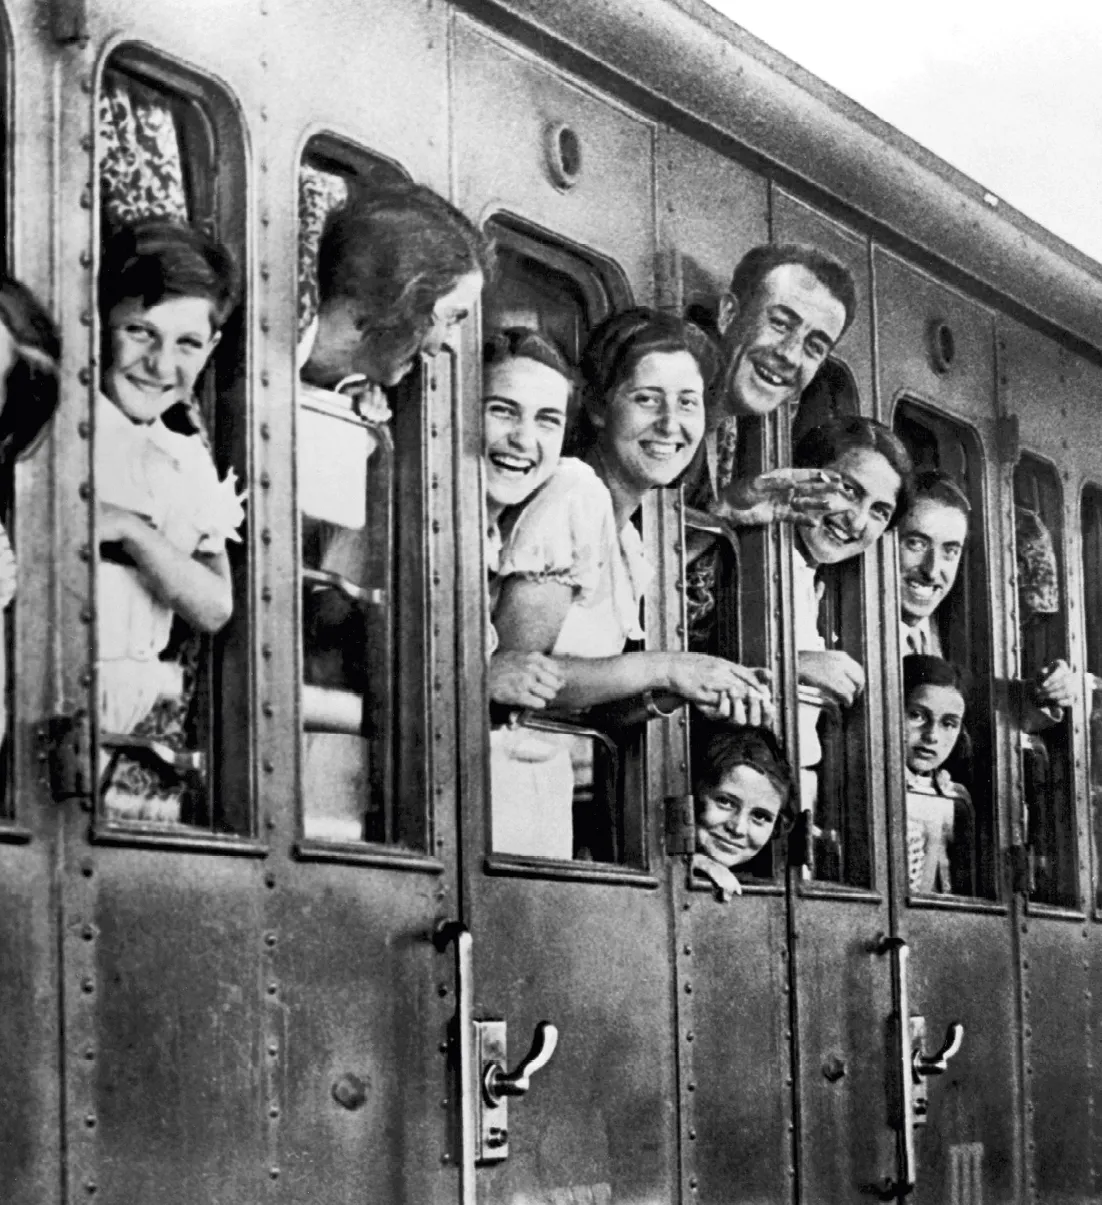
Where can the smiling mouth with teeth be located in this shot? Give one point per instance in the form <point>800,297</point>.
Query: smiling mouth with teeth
<point>769,377</point>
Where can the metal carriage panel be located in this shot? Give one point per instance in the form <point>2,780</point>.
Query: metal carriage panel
<point>963,970</point>
<point>509,109</point>
<point>1061,1082</point>
<point>736,1047</point>
<point>594,960</point>
<point>162,1027</point>
<point>359,1000</point>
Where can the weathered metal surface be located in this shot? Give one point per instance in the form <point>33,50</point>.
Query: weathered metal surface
<point>687,59</point>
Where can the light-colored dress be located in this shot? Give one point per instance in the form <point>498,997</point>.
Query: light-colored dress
<point>566,534</point>
<point>170,481</point>
<point>932,804</point>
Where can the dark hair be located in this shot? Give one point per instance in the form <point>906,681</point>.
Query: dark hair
<point>921,669</point>
<point>616,346</point>
<point>718,748</point>
<point>156,260</point>
<point>523,343</point>
<point>395,251</point>
<point>824,444</point>
<point>31,387</point>
<point>758,262</point>
<point>937,486</point>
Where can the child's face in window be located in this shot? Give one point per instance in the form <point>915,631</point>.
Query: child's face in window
<point>862,507</point>
<point>934,716</point>
<point>737,816</point>
<point>523,419</point>
<point>157,353</point>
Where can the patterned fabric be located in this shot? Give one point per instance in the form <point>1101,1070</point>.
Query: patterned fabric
<point>726,452</point>
<point>319,194</point>
<point>930,814</point>
<point>141,168</point>
<point>1038,579</point>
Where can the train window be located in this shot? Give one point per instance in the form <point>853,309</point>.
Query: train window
<point>353,552</point>
<point>834,840</point>
<point>952,820</point>
<point>561,787</point>
<point>1044,730</point>
<point>169,146</point>
<point>1091,527</point>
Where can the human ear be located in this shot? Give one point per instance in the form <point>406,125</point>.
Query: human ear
<point>727,312</point>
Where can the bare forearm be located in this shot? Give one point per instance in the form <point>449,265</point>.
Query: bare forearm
<point>197,589</point>
<point>592,681</point>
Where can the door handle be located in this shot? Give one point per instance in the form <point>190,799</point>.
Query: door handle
<point>497,1082</point>
<point>937,1064</point>
<point>456,934</point>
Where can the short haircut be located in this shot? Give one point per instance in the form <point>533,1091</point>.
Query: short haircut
<point>937,486</point>
<point>616,346</point>
<point>920,669</point>
<point>759,261</point>
<point>523,343</point>
<point>718,748</point>
<point>824,444</point>
<point>32,385</point>
<point>157,260</point>
<point>395,251</point>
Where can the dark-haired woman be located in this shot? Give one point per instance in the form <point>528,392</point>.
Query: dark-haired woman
<point>29,350</point>
<point>573,570</point>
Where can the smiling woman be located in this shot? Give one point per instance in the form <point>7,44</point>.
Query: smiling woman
<point>573,570</point>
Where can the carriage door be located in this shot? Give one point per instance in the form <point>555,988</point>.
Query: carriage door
<point>573,932</point>
<point>1053,393</point>
<point>956,1005</point>
<point>838,877</point>
<point>731,957</point>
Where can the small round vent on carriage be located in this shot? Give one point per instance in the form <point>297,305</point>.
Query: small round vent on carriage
<point>563,152</point>
<point>942,346</point>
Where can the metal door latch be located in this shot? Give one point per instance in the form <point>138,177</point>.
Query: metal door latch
<point>923,1066</point>
<point>496,1084</point>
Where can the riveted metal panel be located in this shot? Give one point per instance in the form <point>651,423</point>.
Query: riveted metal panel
<point>963,969</point>
<point>735,1045</point>
<point>30,1081</point>
<point>687,57</point>
<point>590,956</point>
<point>711,211</point>
<point>501,154</point>
<point>843,988</point>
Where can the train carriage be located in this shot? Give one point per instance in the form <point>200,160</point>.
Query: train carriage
<point>307,974</point>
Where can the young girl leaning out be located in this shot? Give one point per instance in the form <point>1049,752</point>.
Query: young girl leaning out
<point>939,810</point>
<point>744,787</point>
<point>163,515</point>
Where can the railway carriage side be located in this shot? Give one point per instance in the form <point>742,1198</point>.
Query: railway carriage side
<point>268,975</point>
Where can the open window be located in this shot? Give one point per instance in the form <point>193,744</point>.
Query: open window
<point>1044,731</point>
<point>172,735</point>
<point>834,837</point>
<point>563,787</point>
<point>954,831</point>
<point>360,504</point>
<point>1091,530</point>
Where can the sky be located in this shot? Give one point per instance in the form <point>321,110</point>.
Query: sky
<point>1009,93</point>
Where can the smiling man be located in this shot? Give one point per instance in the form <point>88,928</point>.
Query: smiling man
<point>787,307</point>
<point>932,536</point>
